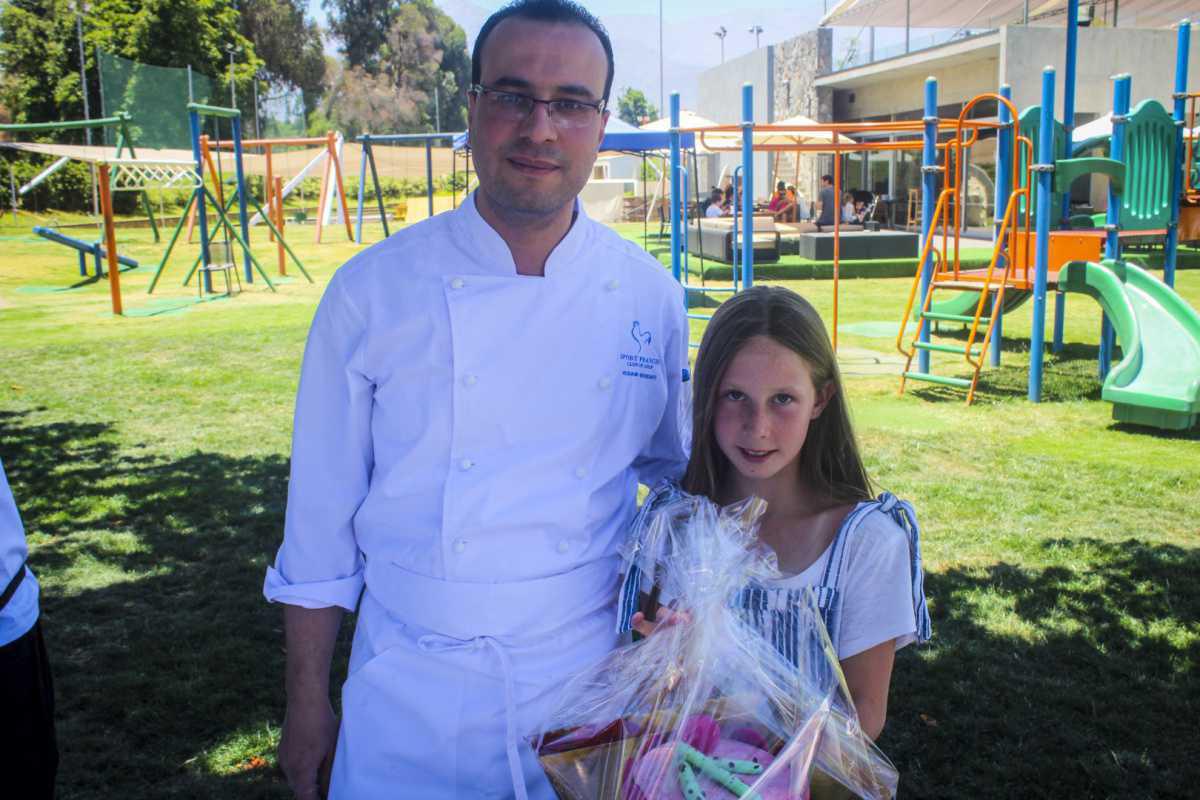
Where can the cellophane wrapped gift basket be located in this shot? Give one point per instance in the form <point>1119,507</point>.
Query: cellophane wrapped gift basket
<point>708,707</point>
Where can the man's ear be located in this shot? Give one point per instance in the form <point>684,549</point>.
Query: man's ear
<point>824,395</point>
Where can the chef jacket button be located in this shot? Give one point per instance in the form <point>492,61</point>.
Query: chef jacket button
<point>564,546</point>
<point>613,285</point>
<point>457,283</point>
<point>460,545</point>
<point>605,382</point>
<point>580,472</point>
<point>465,464</point>
<point>470,380</point>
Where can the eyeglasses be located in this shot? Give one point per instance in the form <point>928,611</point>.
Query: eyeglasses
<point>516,107</point>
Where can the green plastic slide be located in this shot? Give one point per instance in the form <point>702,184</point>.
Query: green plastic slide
<point>1157,382</point>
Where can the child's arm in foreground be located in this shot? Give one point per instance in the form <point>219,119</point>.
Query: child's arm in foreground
<point>869,675</point>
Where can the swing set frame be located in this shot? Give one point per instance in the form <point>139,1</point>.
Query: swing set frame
<point>201,196</point>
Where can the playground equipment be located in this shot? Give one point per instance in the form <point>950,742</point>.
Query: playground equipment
<point>66,153</point>
<point>201,196</point>
<point>84,249</point>
<point>830,138</point>
<point>328,157</point>
<point>1024,253</point>
<point>1157,382</point>
<point>368,141</point>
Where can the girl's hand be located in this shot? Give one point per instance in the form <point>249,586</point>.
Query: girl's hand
<point>664,617</point>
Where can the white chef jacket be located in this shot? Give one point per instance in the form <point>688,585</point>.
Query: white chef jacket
<point>467,444</point>
<point>21,613</point>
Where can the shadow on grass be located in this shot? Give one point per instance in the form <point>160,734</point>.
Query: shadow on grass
<point>1067,376</point>
<point>1055,682</point>
<point>1041,682</point>
<point>167,661</point>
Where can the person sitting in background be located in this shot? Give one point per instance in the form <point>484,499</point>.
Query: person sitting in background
<point>849,213</point>
<point>782,206</point>
<point>715,205</point>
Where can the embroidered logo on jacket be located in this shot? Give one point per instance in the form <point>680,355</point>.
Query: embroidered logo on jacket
<point>639,335</point>
<point>639,365</point>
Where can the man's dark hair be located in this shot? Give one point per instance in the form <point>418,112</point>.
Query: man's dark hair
<point>827,178</point>
<point>564,11</point>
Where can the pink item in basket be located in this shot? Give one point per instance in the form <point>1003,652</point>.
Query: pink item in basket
<point>655,775</point>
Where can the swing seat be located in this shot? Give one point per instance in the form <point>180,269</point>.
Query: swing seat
<point>226,267</point>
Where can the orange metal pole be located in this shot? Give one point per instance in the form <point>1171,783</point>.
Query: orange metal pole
<point>110,242</point>
<point>278,187</point>
<point>293,142</point>
<point>837,235</point>
<point>269,188</point>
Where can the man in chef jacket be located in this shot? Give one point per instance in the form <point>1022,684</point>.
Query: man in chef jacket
<point>480,396</point>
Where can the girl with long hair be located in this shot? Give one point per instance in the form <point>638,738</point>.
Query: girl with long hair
<point>770,420</point>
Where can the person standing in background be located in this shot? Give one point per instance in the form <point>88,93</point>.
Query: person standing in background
<point>28,744</point>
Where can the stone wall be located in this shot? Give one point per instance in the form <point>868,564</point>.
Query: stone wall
<point>798,62</point>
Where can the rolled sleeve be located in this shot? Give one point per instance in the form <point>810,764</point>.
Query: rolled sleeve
<point>666,454</point>
<point>320,563</point>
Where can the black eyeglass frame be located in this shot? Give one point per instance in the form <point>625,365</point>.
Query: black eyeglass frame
<point>479,89</point>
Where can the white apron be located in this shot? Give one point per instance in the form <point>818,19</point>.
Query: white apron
<point>442,672</point>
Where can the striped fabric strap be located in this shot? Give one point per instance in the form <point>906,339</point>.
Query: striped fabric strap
<point>903,514</point>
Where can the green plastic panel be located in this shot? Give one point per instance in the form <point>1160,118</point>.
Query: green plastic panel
<point>1067,170</point>
<point>1157,382</point>
<point>1029,123</point>
<point>1149,157</point>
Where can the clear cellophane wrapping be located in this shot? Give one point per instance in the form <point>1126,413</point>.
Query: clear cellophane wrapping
<point>708,707</point>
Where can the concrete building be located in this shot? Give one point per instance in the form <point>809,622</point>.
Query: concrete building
<point>798,76</point>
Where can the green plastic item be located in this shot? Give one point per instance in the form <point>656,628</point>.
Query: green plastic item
<point>964,303</point>
<point>1149,158</point>
<point>1066,170</point>
<point>1157,382</point>
<point>1029,123</point>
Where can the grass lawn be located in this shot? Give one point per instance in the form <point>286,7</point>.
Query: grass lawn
<point>149,456</point>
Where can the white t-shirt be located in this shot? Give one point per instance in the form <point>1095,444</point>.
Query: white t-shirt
<point>848,213</point>
<point>876,589</point>
<point>713,210</point>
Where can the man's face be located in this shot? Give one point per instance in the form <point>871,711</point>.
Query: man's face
<point>534,167</point>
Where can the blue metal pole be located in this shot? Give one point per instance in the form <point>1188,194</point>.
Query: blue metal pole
<point>201,216</point>
<point>747,185</point>
<point>1044,168</point>
<point>1004,171</point>
<point>928,203</point>
<point>243,219</point>
<point>676,193</point>
<point>737,227</point>
<point>1181,66</point>
<point>1069,94</point>
<point>684,180</point>
<point>1112,243</point>
<point>362,179</point>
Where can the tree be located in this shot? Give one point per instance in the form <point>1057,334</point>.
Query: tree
<point>362,27</point>
<point>39,54</point>
<point>288,44</point>
<point>634,108</point>
<point>413,45</point>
